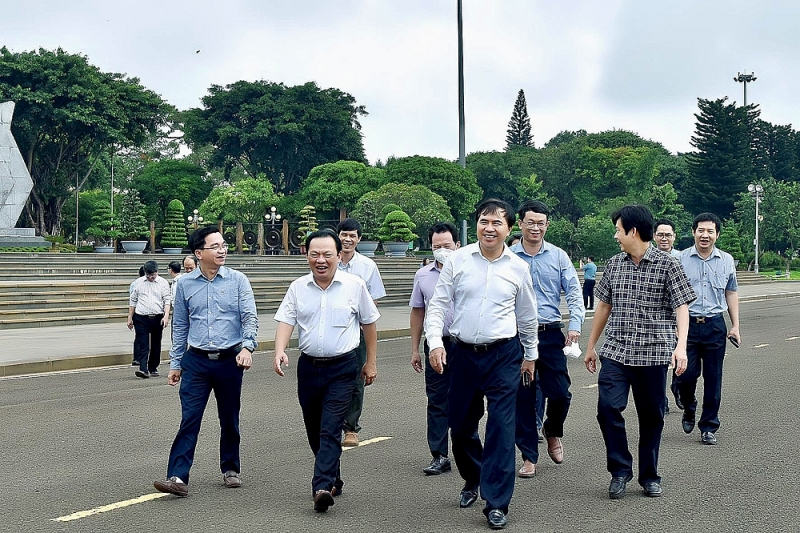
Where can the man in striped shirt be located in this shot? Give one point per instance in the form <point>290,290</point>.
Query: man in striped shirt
<point>148,315</point>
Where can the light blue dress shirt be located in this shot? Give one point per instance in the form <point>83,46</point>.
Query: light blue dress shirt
<point>710,278</point>
<point>552,272</point>
<point>213,314</point>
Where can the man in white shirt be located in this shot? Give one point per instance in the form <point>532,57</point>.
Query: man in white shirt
<point>328,306</point>
<point>494,312</point>
<point>148,313</point>
<point>352,262</point>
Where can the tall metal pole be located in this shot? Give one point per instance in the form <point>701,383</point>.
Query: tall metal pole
<point>462,157</point>
<point>758,201</point>
<point>745,79</point>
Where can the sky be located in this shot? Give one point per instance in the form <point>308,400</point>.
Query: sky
<point>583,64</point>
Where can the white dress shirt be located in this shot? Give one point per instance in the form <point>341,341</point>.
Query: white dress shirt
<point>366,269</point>
<point>150,297</point>
<point>492,300</point>
<point>328,319</point>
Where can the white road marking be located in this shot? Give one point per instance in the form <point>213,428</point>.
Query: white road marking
<point>792,338</point>
<point>590,386</point>
<point>365,442</point>
<point>760,345</point>
<point>109,507</point>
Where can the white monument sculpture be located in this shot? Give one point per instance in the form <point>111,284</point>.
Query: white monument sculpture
<point>15,185</point>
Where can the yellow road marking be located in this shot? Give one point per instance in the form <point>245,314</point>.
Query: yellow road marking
<point>365,442</point>
<point>109,507</point>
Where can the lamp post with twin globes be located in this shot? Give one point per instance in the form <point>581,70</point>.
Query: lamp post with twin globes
<point>194,219</point>
<point>757,191</point>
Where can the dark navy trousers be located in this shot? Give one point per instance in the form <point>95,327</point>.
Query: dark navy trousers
<point>147,343</point>
<point>494,375</point>
<point>200,376</point>
<point>705,349</point>
<point>437,387</point>
<point>553,380</point>
<point>353,415</point>
<point>325,390</point>
<point>647,383</point>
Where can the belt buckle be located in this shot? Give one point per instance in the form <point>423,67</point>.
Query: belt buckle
<point>701,320</point>
<point>214,356</point>
<point>481,348</point>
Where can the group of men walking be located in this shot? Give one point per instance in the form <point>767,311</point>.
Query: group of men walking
<point>492,326</point>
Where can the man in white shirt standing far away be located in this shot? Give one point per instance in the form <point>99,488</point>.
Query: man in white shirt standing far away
<point>328,306</point>
<point>492,295</point>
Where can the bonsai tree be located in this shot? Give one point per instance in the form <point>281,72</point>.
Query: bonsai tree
<point>132,222</point>
<point>368,215</point>
<point>397,227</point>
<point>102,227</point>
<point>388,208</point>
<point>174,235</point>
<point>308,220</point>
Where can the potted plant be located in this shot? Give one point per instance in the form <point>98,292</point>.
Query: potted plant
<point>102,228</point>
<point>173,240</point>
<point>308,224</point>
<point>395,233</point>
<point>132,223</point>
<point>367,214</point>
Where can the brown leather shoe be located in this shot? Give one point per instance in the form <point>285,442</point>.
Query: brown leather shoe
<point>232,479</point>
<point>172,486</point>
<point>350,439</point>
<point>322,500</point>
<point>528,470</point>
<point>555,450</point>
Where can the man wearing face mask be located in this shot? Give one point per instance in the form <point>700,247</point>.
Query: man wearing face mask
<point>444,239</point>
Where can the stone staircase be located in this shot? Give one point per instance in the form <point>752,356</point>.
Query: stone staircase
<point>40,290</point>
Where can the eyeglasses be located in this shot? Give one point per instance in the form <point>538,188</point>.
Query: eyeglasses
<point>531,225</point>
<point>216,247</point>
<point>664,235</point>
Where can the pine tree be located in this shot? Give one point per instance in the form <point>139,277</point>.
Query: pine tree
<point>519,127</point>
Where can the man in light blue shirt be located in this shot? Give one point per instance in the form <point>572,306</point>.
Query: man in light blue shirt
<point>712,274</point>
<point>214,329</point>
<point>552,272</point>
<point>589,279</point>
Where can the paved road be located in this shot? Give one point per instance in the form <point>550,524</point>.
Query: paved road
<point>76,441</point>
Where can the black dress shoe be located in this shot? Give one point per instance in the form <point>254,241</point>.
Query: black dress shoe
<point>140,374</point>
<point>322,500</point>
<point>468,497</point>
<point>652,489</point>
<point>675,392</point>
<point>688,422</point>
<point>616,489</point>
<point>496,519</point>
<point>439,465</point>
<point>708,438</point>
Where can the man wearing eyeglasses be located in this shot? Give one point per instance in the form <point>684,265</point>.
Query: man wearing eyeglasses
<point>214,330</point>
<point>664,238</point>
<point>148,315</point>
<point>552,272</point>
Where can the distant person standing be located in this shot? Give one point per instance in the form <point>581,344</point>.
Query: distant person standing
<point>712,274</point>
<point>330,307</point>
<point>148,315</point>
<point>665,236</point>
<point>214,327</point>
<point>642,296</point>
<point>189,263</point>
<point>352,262</point>
<point>589,277</point>
<point>443,237</point>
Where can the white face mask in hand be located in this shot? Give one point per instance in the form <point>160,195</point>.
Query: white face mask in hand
<point>442,254</point>
<point>573,350</point>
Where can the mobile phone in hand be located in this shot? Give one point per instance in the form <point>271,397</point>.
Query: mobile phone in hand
<point>733,341</point>
<point>526,379</point>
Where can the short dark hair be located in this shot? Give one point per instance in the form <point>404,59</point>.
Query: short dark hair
<point>442,227</point>
<point>322,233</point>
<point>141,271</point>
<point>198,238</point>
<point>349,224</point>
<point>590,258</point>
<point>192,257</point>
<point>514,237</point>
<point>707,217</point>
<point>493,206</point>
<point>150,267</point>
<point>175,266</point>
<point>664,222</point>
<point>635,216</point>
<point>533,205</point>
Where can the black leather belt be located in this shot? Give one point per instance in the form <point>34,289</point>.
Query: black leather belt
<point>484,347</point>
<point>222,353</point>
<point>328,361</point>
<point>551,325</point>
<point>703,319</point>
<point>151,316</point>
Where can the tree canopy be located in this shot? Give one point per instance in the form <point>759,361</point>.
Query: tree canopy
<point>339,185</point>
<point>169,179</point>
<point>247,200</point>
<point>519,127</point>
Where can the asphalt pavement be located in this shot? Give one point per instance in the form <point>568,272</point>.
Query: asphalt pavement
<point>82,448</point>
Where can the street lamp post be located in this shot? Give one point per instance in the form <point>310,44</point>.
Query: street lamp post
<point>745,79</point>
<point>757,191</point>
<point>272,217</point>
<point>195,219</point>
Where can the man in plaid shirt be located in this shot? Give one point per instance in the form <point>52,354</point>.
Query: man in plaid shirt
<point>641,294</point>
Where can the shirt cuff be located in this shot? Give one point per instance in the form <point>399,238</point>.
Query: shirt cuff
<point>531,354</point>
<point>574,325</point>
<point>434,343</point>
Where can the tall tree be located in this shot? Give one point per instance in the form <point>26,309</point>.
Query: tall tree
<point>162,181</point>
<point>722,166</point>
<point>338,186</point>
<point>68,115</point>
<point>519,127</point>
<point>269,129</point>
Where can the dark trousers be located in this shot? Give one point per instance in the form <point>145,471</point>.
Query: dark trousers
<point>588,293</point>
<point>553,380</point>
<point>473,376</point>
<point>147,343</point>
<point>324,393</point>
<point>200,376</point>
<point>705,349</point>
<point>357,402</point>
<point>437,386</point>
<point>647,383</point>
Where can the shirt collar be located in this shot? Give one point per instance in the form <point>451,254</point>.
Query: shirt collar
<point>337,278</point>
<point>714,252</point>
<point>518,248</point>
<point>506,252</point>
